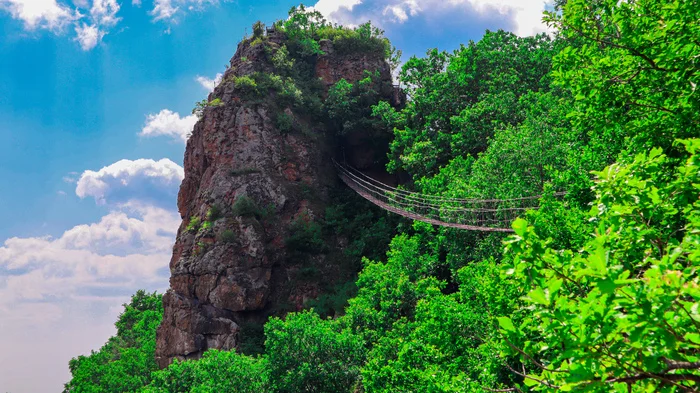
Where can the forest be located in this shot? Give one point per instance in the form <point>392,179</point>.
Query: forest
<point>596,291</point>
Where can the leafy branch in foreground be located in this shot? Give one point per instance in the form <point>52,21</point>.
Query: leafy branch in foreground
<point>621,314</point>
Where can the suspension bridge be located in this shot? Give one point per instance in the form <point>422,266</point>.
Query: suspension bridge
<point>486,215</point>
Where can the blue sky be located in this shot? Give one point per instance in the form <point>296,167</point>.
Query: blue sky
<point>95,101</point>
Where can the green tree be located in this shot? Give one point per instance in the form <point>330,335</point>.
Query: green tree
<point>216,371</point>
<point>309,354</point>
<point>633,69</point>
<point>458,101</point>
<point>125,362</point>
<point>621,313</point>
<point>448,345</point>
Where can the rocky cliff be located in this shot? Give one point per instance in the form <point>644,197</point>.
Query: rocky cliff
<point>251,201</point>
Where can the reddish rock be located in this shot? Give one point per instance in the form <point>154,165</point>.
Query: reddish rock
<point>238,267</point>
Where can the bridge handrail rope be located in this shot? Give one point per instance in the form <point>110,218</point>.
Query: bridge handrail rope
<point>392,190</point>
<point>407,202</point>
<point>410,207</point>
<point>435,197</point>
<point>493,215</point>
<point>480,224</point>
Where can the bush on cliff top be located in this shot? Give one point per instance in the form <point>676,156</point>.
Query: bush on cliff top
<point>305,29</point>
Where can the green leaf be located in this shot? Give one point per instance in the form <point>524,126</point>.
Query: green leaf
<point>506,324</point>
<point>537,295</point>
<point>606,286</point>
<point>520,226</point>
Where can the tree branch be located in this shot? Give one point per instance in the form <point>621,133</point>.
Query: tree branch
<point>545,383</point>
<point>681,365</point>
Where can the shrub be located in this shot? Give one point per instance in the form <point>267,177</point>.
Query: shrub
<point>199,106</point>
<point>246,207</point>
<point>193,225</point>
<point>305,237</point>
<point>251,338</point>
<point>246,85</point>
<point>228,236</point>
<point>284,123</point>
<point>327,305</point>
<point>214,213</point>
<point>200,247</point>
<point>282,61</point>
<point>198,109</point>
<point>258,29</point>
<point>257,41</point>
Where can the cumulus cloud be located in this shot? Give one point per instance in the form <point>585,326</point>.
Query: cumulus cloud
<point>45,269</point>
<point>169,123</point>
<point>60,296</point>
<point>525,16</point>
<point>209,84</point>
<point>39,13</point>
<point>90,21</point>
<point>127,181</point>
<point>329,7</point>
<point>118,233</point>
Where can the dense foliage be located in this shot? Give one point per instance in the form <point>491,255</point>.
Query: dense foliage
<point>596,291</point>
<point>126,361</point>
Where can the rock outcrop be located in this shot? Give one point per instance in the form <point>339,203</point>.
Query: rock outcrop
<point>247,188</point>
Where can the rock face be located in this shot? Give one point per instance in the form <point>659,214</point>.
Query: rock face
<point>246,188</point>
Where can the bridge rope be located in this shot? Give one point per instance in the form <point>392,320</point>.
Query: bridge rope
<point>487,215</point>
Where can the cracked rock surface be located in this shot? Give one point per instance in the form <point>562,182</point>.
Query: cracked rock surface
<point>229,269</point>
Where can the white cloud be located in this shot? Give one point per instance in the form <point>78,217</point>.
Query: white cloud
<point>88,36</point>
<point>169,123</point>
<point>526,15</point>
<point>59,297</point>
<point>402,11</point>
<point>118,233</point>
<point>103,15</point>
<point>91,20</point>
<point>104,12</point>
<point>127,181</point>
<point>71,177</point>
<point>167,10</point>
<point>329,7</point>
<point>209,84</point>
<point>163,9</point>
<point>89,27</point>
<point>39,13</point>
